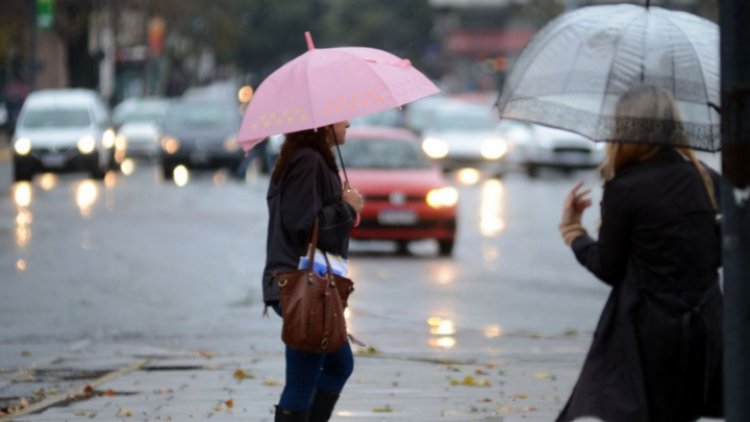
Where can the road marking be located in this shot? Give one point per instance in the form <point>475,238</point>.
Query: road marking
<point>78,392</point>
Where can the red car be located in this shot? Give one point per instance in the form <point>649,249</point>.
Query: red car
<point>406,195</point>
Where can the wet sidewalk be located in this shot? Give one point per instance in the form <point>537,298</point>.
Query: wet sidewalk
<point>148,384</point>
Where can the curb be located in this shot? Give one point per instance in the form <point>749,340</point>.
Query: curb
<point>75,393</point>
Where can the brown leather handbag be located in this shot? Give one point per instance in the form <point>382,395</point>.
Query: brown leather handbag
<point>312,307</point>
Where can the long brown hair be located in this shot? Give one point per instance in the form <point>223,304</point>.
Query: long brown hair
<point>645,117</point>
<point>311,138</point>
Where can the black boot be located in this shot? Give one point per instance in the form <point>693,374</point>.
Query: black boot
<point>283,415</point>
<point>322,406</point>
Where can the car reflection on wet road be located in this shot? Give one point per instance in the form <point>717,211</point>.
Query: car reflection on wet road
<point>139,259</point>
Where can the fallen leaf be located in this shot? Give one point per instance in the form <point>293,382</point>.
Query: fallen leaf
<point>470,381</point>
<point>544,376</point>
<point>520,396</point>
<point>25,353</point>
<point>480,372</point>
<point>110,392</point>
<point>229,403</point>
<point>88,389</point>
<point>270,383</point>
<point>240,375</point>
<point>386,409</point>
<point>84,414</point>
<point>206,354</point>
<point>124,412</point>
<point>571,332</point>
<point>368,351</point>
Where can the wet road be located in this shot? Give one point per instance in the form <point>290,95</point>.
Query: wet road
<point>136,260</point>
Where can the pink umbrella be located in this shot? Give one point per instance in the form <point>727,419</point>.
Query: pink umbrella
<point>329,85</point>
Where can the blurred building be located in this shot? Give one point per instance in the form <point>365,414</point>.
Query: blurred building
<point>481,38</point>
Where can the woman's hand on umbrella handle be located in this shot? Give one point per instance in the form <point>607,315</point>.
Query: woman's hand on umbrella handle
<point>353,198</point>
<point>575,204</point>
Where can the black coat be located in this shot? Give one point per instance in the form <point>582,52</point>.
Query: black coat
<point>307,188</point>
<point>657,350</point>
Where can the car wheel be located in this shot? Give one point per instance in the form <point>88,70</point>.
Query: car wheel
<point>22,173</point>
<point>402,247</point>
<point>97,173</point>
<point>445,247</point>
<point>167,171</point>
<point>532,171</point>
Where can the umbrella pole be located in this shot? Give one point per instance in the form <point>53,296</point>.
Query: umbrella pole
<point>735,201</point>
<point>341,159</point>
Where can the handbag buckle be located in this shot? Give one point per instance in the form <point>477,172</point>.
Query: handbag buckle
<point>283,282</point>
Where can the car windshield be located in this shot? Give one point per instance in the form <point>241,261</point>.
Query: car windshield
<point>144,113</point>
<point>464,120</point>
<point>56,117</point>
<point>383,154</point>
<point>201,115</point>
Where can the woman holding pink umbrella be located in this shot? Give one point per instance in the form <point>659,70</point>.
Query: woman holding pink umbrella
<point>311,99</point>
<point>305,185</point>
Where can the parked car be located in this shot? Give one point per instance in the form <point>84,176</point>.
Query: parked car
<point>200,134</point>
<point>463,134</point>
<point>546,147</point>
<point>138,122</point>
<point>63,130</point>
<point>406,195</point>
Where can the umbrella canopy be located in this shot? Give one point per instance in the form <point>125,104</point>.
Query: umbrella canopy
<point>329,85</point>
<point>575,69</point>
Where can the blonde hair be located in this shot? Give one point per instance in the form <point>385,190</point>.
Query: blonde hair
<point>645,119</point>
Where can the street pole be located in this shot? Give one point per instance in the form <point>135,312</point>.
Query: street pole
<point>32,62</point>
<point>735,201</point>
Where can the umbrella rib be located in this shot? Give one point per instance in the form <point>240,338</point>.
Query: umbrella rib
<point>313,117</point>
<point>611,67</point>
<point>380,80</point>
<point>698,56</point>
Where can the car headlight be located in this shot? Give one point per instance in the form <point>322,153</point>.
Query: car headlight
<point>108,138</point>
<point>435,148</point>
<point>86,144</point>
<point>443,197</point>
<point>121,142</point>
<point>22,146</point>
<point>494,148</point>
<point>230,144</point>
<point>170,144</point>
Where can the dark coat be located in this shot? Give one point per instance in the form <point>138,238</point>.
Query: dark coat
<point>307,188</point>
<point>657,350</point>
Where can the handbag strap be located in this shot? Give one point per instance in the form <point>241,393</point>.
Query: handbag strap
<point>313,243</point>
<point>313,246</point>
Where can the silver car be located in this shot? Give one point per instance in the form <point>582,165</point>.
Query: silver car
<point>464,134</point>
<point>63,130</point>
<point>546,147</point>
<point>138,123</point>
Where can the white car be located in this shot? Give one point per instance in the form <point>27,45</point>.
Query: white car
<point>63,130</point>
<point>546,147</point>
<point>463,134</point>
<point>138,121</point>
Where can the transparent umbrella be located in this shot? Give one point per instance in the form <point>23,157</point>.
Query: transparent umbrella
<point>575,69</point>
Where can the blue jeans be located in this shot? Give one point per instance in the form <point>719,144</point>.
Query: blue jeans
<point>307,372</point>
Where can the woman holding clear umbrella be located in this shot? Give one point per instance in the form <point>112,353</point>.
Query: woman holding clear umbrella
<point>657,350</point>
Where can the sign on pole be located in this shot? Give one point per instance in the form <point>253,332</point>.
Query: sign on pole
<point>45,14</point>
